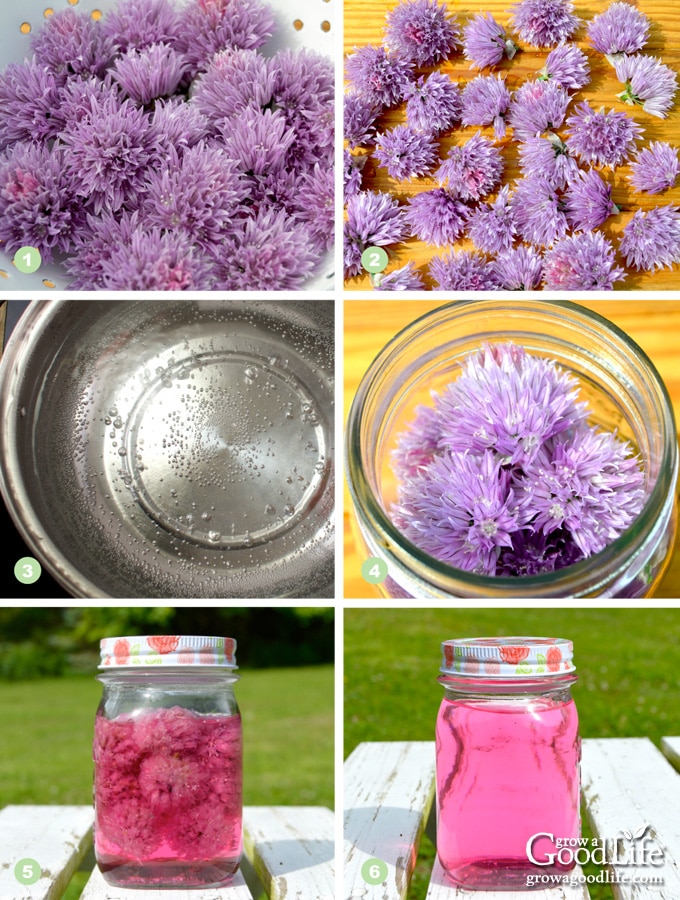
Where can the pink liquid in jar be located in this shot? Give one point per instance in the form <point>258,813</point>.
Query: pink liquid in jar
<point>168,797</point>
<point>507,769</point>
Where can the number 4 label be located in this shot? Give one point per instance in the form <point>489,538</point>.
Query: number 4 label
<point>374,570</point>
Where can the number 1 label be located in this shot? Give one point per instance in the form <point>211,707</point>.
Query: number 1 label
<point>27,260</point>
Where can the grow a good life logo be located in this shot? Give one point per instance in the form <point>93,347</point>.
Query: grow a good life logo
<point>633,857</point>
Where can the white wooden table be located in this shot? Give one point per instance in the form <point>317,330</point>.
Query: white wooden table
<point>627,783</point>
<point>290,849</point>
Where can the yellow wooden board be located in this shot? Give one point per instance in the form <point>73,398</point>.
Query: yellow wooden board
<point>653,324</point>
<point>364,24</point>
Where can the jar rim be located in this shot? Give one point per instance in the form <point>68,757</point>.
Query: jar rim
<point>507,657</point>
<point>151,652</point>
<point>579,579</point>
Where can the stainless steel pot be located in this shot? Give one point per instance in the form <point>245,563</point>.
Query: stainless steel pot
<point>173,449</point>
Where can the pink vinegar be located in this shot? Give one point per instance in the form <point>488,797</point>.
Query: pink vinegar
<point>507,768</point>
<point>168,798</point>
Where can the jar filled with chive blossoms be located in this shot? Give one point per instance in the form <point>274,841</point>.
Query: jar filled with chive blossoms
<point>514,449</point>
<point>168,762</point>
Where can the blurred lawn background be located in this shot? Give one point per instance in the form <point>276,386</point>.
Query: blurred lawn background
<point>626,662</point>
<point>286,696</point>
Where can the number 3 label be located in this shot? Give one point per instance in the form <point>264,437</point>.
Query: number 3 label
<point>27,570</point>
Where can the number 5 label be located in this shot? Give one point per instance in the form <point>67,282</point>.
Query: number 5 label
<point>27,871</point>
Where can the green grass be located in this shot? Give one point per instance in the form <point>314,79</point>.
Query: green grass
<point>287,733</point>
<point>626,662</point>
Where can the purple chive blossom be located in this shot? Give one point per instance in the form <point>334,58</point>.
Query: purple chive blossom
<point>421,31</point>
<point>38,206</point>
<point>436,217</point>
<point>544,23</point>
<point>29,102</point>
<point>461,509</point>
<point>353,167</point>
<point>465,270</point>
<point>621,28</point>
<point>519,269</point>
<point>472,170</point>
<point>149,74</point>
<point>492,225</point>
<point>433,103</point>
<point>549,158</point>
<point>509,402</point>
<point>649,83</point>
<point>304,88</point>
<point>139,24</point>
<point>177,125</point>
<point>582,262</point>
<point>601,138</point>
<point>485,102</point>
<point>359,117</point>
<point>71,43</point>
<point>314,205</point>
<point>234,80</point>
<point>407,278</point>
<point>539,215</point>
<point>534,553</point>
<point>537,107</point>
<point>208,26</point>
<point>373,219</point>
<point>95,243</point>
<point>155,260</point>
<point>588,201</point>
<point>270,252</point>
<point>405,153</point>
<point>80,96</point>
<point>198,195</point>
<point>567,66</point>
<point>502,475</point>
<point>377,76</point>
<point>258,141</point>
<point>109,152</point>
<point>655,168</point>
<point>587,483</point>
<point>485,42</point>
<point>651,240</point>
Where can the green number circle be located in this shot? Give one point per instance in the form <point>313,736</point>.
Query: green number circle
<point>27,260</point>
<point>374,570</point>
<point>27,571</point>
<point>27,871</point>
<point>374,871</point>
<point>374,259</point>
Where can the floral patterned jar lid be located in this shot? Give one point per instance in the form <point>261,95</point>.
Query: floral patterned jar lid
<point>507,657</point>
<point>167,650</point>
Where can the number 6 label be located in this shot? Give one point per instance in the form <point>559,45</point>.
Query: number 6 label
<point>374,871</point>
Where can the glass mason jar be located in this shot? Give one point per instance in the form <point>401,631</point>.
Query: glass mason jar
<point>624,392</point>
<point>508,756</point>
<point>168,762</point>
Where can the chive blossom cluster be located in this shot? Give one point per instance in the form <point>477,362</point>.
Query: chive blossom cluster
<point>545,229</point>
<point>503,475</point>
<point>157,149</point>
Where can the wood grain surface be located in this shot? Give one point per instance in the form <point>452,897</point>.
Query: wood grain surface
<point>364,23</point>
<point>653,324</point>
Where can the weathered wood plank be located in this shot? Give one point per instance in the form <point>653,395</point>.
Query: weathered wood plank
<point>292,849</point>
<point>98,889</point>
<point>627,784</point>
<point>442,889</point>
<point>389,789</point>
<point>671,750</point>
<point>56,837</point>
